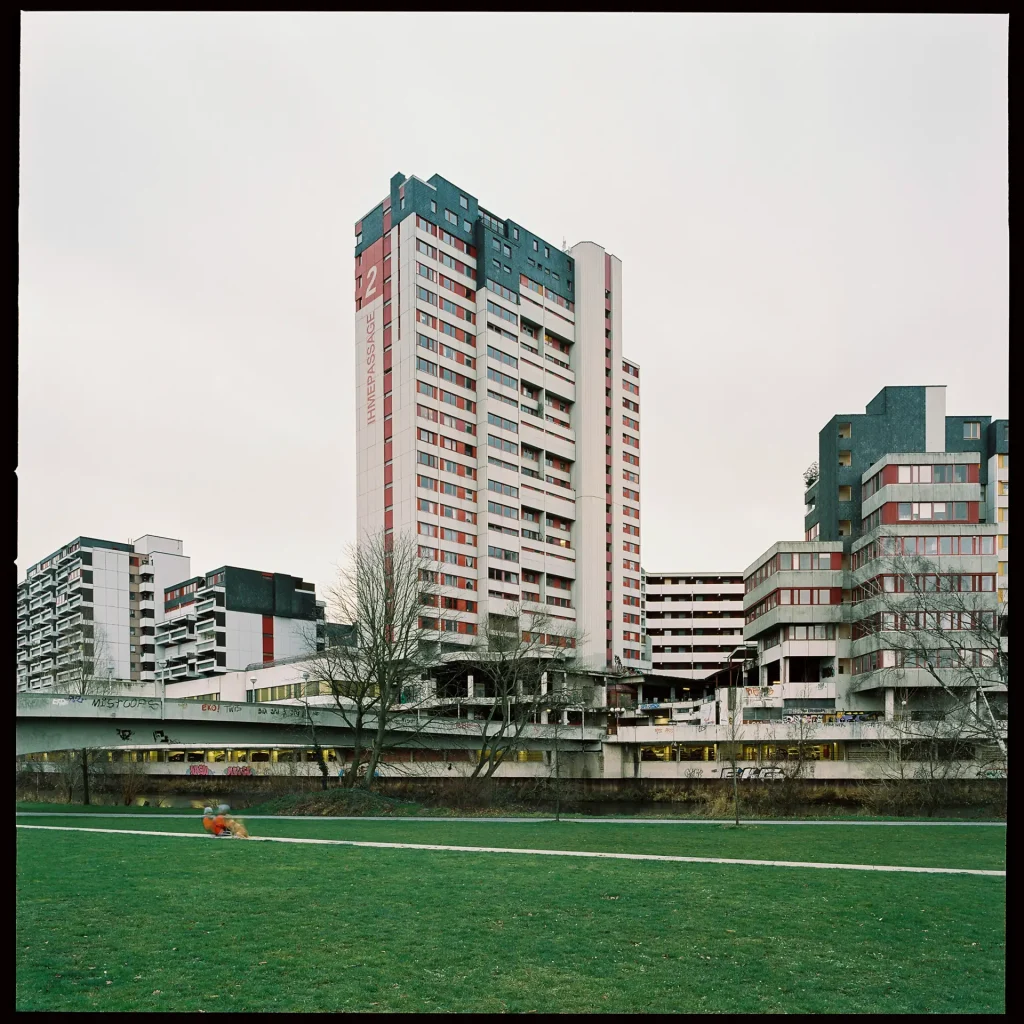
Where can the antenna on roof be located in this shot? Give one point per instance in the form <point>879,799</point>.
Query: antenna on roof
<point>565,247</point>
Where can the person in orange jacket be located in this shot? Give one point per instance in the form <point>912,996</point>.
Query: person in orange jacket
<point>212,825</point>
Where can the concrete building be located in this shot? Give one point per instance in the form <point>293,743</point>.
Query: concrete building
<point>497,417</point>
<point>231,618</point>
<point>88,610</point>
<point>693,620</point>
<point>897,419</point>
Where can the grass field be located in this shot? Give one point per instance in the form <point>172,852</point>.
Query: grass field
<point>111,922</point>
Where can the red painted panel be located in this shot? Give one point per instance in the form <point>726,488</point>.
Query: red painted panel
<point>890,474</point>
<point>607,363</point>
<point>387,315</point>
<point>387,451</point>
<point>890,512</point>
<point>387,245</point>
<point>389,496</point>
<point>389,474</point>
<point>836,595</point>
<point>387,404</point>
<point>972,512</point>
<point>388,429</point>
<point>387,222</point>
<point>837,559</point>
<point>267,658</point>
<point>371,272</point>
<point>387,336</point>
<point>607,272</point>
<point>389,519</point>
<point>387,290</point>
<point>268,647</point>
<point>608,304</point>
<point>387,360</point>
<point>268,623</point>
<point>607,577</point>
<point>608,517</point>
<point>972,472</point>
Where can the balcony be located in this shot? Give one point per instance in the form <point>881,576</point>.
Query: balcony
<point>206,605</point>
<point>206,665</point>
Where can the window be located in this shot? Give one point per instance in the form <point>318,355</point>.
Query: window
<point>466,226</point>
<point>359,238</point>
<point>515,234</point>
<point>506,446</point>
<point>499,421</point>
<point>502,510</point>
<point>535,247</point>
<point>507,250</point>
<point>547,252</point>
<point>452,218</point>
<point>502,357</point>
<point>972,430</point>
<point>464,202</point>
<point>433,206</point>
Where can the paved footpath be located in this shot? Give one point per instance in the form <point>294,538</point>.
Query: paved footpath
<point>537,853</point>
<point>534,821</point>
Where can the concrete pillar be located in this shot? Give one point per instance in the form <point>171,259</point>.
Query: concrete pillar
<point>890,704</point>
<point>640,693</point>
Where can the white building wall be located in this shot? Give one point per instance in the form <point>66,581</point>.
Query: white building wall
<point>291,637</point>
<point>243,638</point>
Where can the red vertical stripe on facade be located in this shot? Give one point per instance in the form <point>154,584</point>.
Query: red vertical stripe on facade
<point>268,636</point>
<point>837,560</point>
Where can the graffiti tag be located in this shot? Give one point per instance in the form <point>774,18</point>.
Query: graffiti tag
<point>239,769</point>
<point>126,703</point>
<point>125,734</point>
<point>211,707</point>
<point>159,736</point>
<point>775,774</point>
<point>199,769</point>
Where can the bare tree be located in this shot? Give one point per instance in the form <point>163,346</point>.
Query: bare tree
<point>90,671</point>
<point>942,645</point>
<point>565,693</point>
<point>515,657</point>
<point>388,592</point>
<point>789,746</point>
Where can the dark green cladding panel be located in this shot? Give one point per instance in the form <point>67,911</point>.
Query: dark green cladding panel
<point>248,590</point>
<point>555,271</point>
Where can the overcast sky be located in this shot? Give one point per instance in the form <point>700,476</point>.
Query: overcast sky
<point>807,209</point>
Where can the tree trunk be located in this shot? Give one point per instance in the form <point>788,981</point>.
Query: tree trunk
<point>85,776</point>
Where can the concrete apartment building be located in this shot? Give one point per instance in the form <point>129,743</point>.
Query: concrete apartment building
<point>694,621</point>
<point>231,618</point>
<point>497,417</point>
<point>89,609</point>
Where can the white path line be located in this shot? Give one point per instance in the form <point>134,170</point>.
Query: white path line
<point>536,853</point>
<point>519,821</point>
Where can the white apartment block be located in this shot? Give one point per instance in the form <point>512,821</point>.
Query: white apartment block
<point>497,418</point>
<point>694,621</point>
<point>232,618</point>
<point>88,609</point>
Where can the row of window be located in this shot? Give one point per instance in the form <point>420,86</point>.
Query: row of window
<point>925,546</point>
<point>815,631</point>
<point>449,261</point>
<point>432,345</point>
<point>932,474</point>
<point>445,511</point>
<point>452,604</point>
<point>904,620</point>
<point>448,626</point>
<point>445,487</point>
<point>793,596</point>
<point>793,561</point>
<point>448,557</point>
<point>429,437</point>
<point>447,579</point>
<point>925,583</point>
<point>423,388</point>
<point>943,657</point>
<point>445,533</point>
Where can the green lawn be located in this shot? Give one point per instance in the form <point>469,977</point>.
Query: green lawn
<point>950,846</point>
<point>115,923</point>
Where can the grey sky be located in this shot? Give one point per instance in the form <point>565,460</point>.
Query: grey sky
<point>807,208</point>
